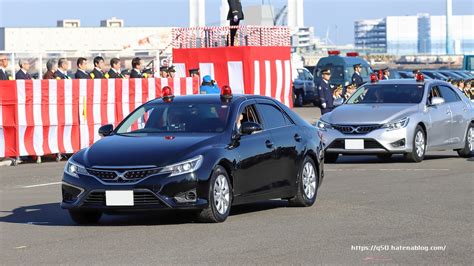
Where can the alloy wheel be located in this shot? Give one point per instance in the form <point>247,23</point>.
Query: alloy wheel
<point>309,180</point>
<point>221,194</point>
<point>420,143</point>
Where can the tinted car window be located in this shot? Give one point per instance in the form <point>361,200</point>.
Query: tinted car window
<point>448,94</point>
<point>272,116</point>
<point>387,93</point>
<point>176,117</point>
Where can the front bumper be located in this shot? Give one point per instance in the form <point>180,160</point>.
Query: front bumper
<point>378,141</point>
<point>152,193</point>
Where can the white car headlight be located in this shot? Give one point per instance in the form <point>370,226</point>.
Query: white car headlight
<point>323,125</point>
<point>184,167</point>
<point>73,168</point>
<point>398,124</point>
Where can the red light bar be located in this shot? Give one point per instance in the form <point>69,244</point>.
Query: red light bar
<point>419,77</point>
<point>226,92</point>
<point>352,54</point>
<point>167,94</point>
<point>334,52</point>
<point>373,78</point>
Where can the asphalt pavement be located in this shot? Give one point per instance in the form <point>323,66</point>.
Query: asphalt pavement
<point>367,212</point>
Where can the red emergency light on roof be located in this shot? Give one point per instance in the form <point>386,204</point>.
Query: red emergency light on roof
<point>352,54</point>
<point>373,78</point>
<point>226,92</point>
<point>419,77</point>
<point>334,52</point>
<point>167,94</point>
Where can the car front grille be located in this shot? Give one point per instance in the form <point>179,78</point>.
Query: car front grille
<point>356,129</point>
<point>368,144</point>
<point>140,198</point>
<point>123,176</point>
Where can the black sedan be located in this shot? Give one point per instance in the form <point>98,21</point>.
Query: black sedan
<point>203,153</point>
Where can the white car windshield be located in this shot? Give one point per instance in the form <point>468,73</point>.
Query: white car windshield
<point>387,93</point>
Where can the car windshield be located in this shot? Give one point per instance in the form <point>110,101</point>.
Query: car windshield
<point>176,118</point>
<point>388,93</point>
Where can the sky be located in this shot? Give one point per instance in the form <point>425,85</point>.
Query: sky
<point>335,17</point>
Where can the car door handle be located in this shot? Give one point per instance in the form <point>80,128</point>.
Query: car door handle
<point>269,144</point>
<point>298,138</point>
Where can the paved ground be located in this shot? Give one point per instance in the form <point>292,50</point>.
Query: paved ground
<point>363,204</point>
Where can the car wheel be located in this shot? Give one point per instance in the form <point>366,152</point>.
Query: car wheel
<point>419,146</point>
<point>307,183</point>
<point>299,99</point>
<point>220,197</point>
<point>330,157</point>
<point>468,149</point>
<point>85,217</point>
<point>385,156</point>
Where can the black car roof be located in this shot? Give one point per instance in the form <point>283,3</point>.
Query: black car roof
<point>210,98</point>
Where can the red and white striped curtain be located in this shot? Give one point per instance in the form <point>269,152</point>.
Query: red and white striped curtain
<point>40,117</point>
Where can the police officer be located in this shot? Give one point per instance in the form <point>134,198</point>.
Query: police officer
<point>235,15</point>
<point>171,72</point>
<point>208,86</point>
<point>114,71</point>
<point>99,65</point>
<point>356,77</point>
<point>23,72</point>
<point>325,92</point>
<point>386,74</point>
<point>81,72</point>
<point>163,72</point>
<point>63,65</point>
<point>136,72</point>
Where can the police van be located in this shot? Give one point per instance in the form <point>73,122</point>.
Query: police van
<point>342,68</point>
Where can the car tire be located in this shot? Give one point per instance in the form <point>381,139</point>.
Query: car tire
<point>307,185</point>
<point>85,217</point>
<point>331,157</point>
<point>384,156</point>
<point>298,99</point>
<point>468,150</point>
<point>418,147</point>
<point>220,191</point>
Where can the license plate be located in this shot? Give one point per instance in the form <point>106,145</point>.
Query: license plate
<point>354,144</point>
<point>119,198</point>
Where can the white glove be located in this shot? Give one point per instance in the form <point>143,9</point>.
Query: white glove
<point>323,105</point>
<point>236,18</point>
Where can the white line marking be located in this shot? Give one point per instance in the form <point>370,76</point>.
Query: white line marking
<point>42,185</point>
<point>20,247</point>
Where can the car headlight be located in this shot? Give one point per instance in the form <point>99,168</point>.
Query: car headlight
<point>323,125</point>
<point>398,124</point>
<point>73,168</point>
<point>184,167</point>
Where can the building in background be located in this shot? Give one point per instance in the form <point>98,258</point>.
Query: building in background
<point>420,34</point>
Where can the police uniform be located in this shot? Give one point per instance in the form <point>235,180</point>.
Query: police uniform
<point>384,77</point>
<point>356,78</point>
<point>4,75</point>
<point>235,9</point>
<point>113,74</point>
<point>61,75</point>
<point>97,74</point>
<point>136,74</point>
<point>80,74</point>
<point>325,94</point>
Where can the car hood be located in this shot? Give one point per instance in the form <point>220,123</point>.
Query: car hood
<point>360,114</point>
<point>145,150</point>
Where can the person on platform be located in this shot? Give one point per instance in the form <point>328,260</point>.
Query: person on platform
<point>235,15</point>
<point>99,67</point>
<point>3,68</point>
<point>63,66</point>
<point>325,92</point>
<point>136,72</point>
<point>163,72</point>
<point>356,77</point>
<point>81,72</point>
<point>51,67</point>
<point>386,73</point>
<point>115,69</point>
<point>23,72</point>
<point>208,86</point>
<point>171,72</point>
<point>194,72</point>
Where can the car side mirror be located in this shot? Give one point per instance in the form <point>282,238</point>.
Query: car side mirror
<point>106,130</point>
<point>248,128</point>
<point>338,102</point>
<point>437,101</point>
